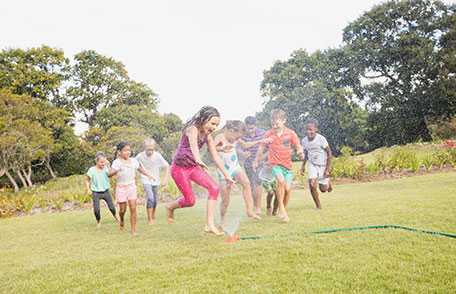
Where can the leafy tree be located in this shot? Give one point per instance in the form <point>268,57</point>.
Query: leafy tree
<point>154,124</point>
<point>37,72</point>
<point>25,140</point>
<point>98,82</point>
<point>115,135</point>
<point>400,50</point>
<point>316,86</point>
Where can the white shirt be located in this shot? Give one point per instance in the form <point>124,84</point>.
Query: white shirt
<point>152,164</point>
<point>127,170</point>
<point>316,153</point>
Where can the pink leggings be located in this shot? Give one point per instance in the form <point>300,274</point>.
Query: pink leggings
<point>183,177</point>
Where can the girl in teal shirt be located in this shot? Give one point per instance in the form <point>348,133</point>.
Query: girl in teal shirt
<point>97,184</point>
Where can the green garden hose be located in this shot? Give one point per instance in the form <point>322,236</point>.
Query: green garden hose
<point>365,228</point>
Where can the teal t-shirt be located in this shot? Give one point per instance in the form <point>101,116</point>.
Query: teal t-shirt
<point>99,179</point>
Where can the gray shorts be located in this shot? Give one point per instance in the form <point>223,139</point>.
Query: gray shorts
<point>253,176</point>
<point>151,195</point>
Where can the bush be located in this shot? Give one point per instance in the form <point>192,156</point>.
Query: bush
<point>441,158</point>
<point>428,162</point>
<point>403,159</point>
<point>348,167</point>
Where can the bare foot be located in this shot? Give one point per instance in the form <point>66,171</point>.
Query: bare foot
<point>285,219</point>
<point>213,230</point>
<point>269,211</point>
<point>152,222</point>
<point>121,225</point>
<point>253,215</point>
<point>170,214</point>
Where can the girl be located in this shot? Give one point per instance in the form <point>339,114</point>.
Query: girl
<point>125,169</point>
<point>97,184</point>
<point>188,166</point>
<point>226,146</point>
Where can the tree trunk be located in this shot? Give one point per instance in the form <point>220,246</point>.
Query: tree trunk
<point>13,182</point>
<point>19,174</point>
<point>51,171</point>
<point>28,176</point>
<point>423,130</point>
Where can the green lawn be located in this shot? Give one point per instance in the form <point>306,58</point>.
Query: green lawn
<point>64,252</point>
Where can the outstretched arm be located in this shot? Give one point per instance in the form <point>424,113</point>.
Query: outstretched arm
<point>143,171</point>
<point>246,145</point>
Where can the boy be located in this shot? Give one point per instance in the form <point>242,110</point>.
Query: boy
<point>253,134</point>
<point>152,161</point>
<point>318,155</point>
<point>269,185</point>
<point>281,141</point>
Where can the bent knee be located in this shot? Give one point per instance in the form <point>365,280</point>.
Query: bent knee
<point>188,203</point>
<point>313,184</point>
<point>214,191</point>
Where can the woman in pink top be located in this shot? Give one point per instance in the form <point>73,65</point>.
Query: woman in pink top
<point>188,166</point>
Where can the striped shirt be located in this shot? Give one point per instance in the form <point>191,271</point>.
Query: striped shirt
<point>259,135</point>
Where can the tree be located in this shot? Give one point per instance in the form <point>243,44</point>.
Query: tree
<point>99,82</point>
<point>115,135</point>
<point>37,72</point>
<point>154,124</point>
<point>398,48</point>
<point>316,86</point>
<point>25,141</point>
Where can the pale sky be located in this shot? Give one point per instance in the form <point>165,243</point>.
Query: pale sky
<point>192,53</point>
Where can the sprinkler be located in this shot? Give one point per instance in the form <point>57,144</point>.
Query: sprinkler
<point>230,229</point>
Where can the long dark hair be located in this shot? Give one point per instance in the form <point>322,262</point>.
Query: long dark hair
<point>121,145</point>
<point>202,116</point>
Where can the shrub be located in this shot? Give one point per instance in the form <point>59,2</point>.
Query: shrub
<point>403,159</point>
<point>441,158</point>
<point>348,167</point>
<point>381,161</point>
<point>373,168</point>
<point>427,162</point>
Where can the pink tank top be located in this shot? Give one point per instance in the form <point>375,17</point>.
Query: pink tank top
<point>184,156</point>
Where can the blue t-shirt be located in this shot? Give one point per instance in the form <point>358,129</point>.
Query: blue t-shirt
<point>99,179</point>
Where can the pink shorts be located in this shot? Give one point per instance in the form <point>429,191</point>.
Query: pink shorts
<point>125,193</point>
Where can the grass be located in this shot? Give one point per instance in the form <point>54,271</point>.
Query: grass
<point>64,252</point>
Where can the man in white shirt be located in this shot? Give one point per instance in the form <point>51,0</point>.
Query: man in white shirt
<point>318,155</point>
<point>152,161</point>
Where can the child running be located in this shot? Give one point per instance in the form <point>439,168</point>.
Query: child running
<point>97,184</point>
<point>225,143</point>
<point>318,155</point>
<point>153,162</point>
<point>252,134</point>
<point>279,157</point>
<point>188,167</point>
<point>269,185</point>
<point>125,168</point>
